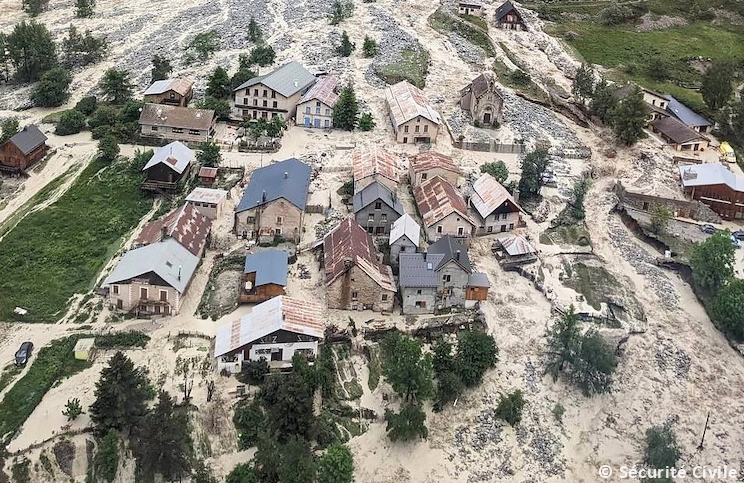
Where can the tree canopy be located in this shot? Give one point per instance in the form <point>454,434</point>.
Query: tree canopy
<point>603,102</point>
<point>84,8</point>
<point>262,55</point>
<point>34,7</point>
<point>79,50</point>
<point>9,127</point>
<point>370,47</point>
<point>727,309</point>
<point>31,50</point>
<point>629,118</point>
<point>53,89</point>
<point>497,169</point>
<point>346,47</point>
<point>510,407</point>
<point>116,86</point>
<point>583,83</point>
<point>712,262</point>
<point>209,155</point>
<point>336,465</point>
<point>662,449</point>
<point>534,165</point>
<point>71,122</point>
<point>219,85</point>
<point>254,31</point>
<point>408,424</point>
<point>476,353</point>
<point>161,68</point>
<point>718,84</point>
<point>346,110</point>
<point>404,365</point>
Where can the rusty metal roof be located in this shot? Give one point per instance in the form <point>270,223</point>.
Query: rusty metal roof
<point>324,91</point>
<point>407,102</point>
<point>178,85</point>
<point>488,195</point>
<point>186,225</point>
<point>279,313</point>
<point>426,160</point>
<point>437,198</point>
<point>348,244</point>
<point>205,172</point>
<point>374,161</point>
<point>207,195</point>
<point>175,116</point>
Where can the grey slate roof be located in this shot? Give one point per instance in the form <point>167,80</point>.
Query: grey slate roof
<point>270,183</point>
<point>685,114</point>
<point>28,139</point>
<point>270,267</point>
<point>478,280</point>
<point>449,246</point>
<point>174,155</point>
<point>166,259</point>
<point>287,80</point>
<point>505,8</point>
<point>419,269</point>
<point>377,191</point>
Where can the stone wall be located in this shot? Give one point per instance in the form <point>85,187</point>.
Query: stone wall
<point>682,208</point>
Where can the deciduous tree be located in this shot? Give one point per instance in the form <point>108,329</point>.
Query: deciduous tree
<point>712,263</point>
<point>116,86</point>
<point>727,309</point>
<point>204,44</point>
<point>718,84</point>
<point>108,149</point>
<point>9,127</point>
<point>534,165</point>
<point>70,122</point>
<point>476,353</point>
<point>406,367</point>
<point>408,424</point>
<point>161,68</point>
<point>496,169</point>
<point>603,102</point>
<point>262,55</point>
<point>510,407</point>
<point>53,89</point>
<point>87,105</point>
<point>242,473</point>
<point>660,218</point>
<point>346,110</point>
<point>31,50</point>
<point>288,401</point>
<point>336,465</point>
<point>209,155</point>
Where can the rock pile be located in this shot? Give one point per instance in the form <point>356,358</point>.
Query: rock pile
<point>531,121</point>
<point>669,357</point>
<point>466,50</point>
<point>393,40</point>
<point>333,218</point>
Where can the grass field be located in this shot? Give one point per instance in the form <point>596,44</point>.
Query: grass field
<point>466,27</point>
<point>413,67</point>
<point>56,252</point>
<point>638,56</point>
<point>51,364</point>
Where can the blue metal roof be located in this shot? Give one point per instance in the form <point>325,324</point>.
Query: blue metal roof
<point>289,179</point>
<point>685,114</point>
<point>270,267</point>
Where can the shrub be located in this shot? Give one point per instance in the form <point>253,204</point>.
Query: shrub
<point>86,105</point>
<point>662,448</point>
<point>510,408</point>
<point>253,372</point>
<point>370,47</point>
<point>366,122</point>
<point>73,409</point>
<point>122,340</point>
<point>71,122</point>
<point>249,420</point>
<point>341,10</point>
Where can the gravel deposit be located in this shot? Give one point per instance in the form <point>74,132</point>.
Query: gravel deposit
<point>466,50</point>
<point>532,122</point>
<point>669,357</point>
<point>392,41</point>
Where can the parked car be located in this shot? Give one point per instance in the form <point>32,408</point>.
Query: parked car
<point>23,354</point>
<point>738,234</point>
<point>735,241</point>
<point>709,229</point>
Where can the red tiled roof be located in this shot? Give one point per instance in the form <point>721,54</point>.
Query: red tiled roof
<point>427,160</point>
<point>186,225</point>
<point>437,198</point>
<point>348,242</point>
<point>372,161</point>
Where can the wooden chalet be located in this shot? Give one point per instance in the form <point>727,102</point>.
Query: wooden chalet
<point>265,276</point>
<point>24,149</point>
<point>168,167</point>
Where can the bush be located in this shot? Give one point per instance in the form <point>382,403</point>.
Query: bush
<point>122,340</point>
<point>496,169</point>
<point>262,55</point>
<point>617,14</point>
<point>662,448</point>
<point>366,122</point>
<point>86,105</point>
<point>254,372</point>
<point>510,408</point>
<point>249,421</point>
<point>73,409</point>
<point>369,48</point>
<point>71,122</point>
<point>341,10</point>
<point>53,88</point>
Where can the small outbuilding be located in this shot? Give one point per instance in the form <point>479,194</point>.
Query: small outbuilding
<point>84,349</point>
<point>470,8</point>
<point>207,175</point>
<point>209,202</point>
<point>265,276</point>
<point>514,250</point>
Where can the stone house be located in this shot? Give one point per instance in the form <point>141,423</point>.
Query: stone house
<point>376,207</point>
<point>374,164</point>
<point>175,92</point>
<point>413,117</point>
<point>657,103</point>
<point>508,17</point>
<point>274,94</point>
<point>687,116</point>
<point>25,148</point>
<point>264,276</point>
<point>168,168</point>
<point>151,280</point>
<point>355,277</point>
<point>315,108</point>
<point>275,330</point>
<point>493,207</point>
<point>187,225</point>
<point>174,123</point>
<point>439,278</point>
<point>482,99</point>
<point>428,164</point>
<point>443,210</point>
<point>209,201</point>
<point>679,136</point>
<point>470,8</point>
<point>405,236</point>
<point>273,202</point>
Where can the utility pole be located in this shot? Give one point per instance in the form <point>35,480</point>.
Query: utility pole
<point>705,429</point>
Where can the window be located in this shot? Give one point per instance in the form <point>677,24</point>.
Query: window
<point>274,104</point>
<point>154,128</point>
<point>503,216</point>
<point>317,111</point>
<point>439,229</point>
<point>177,130</point>
<point>418,292</point>
<point>194,132</point>
<point>250,219</point>
<point>327,123</point>
<point>163,295</point>
<point>328,112</point>
<point>503,228</point>
<point>384,297</point>
<point>417,128</point>
<point>265,93</point>
<point>370,229</point>
<point>172,95</point>
<point>255,92</point>
<point>143,293</point>
<point>115,289</point>
<point>511,226</point>
<point>424,176</point>
<point>273,95</point>
<point>421,304</point>
<point>490,229</point>
<point>405,140</point>
<point>378,205</point>
<point>157,309</point>
<point>460,231</point>
<point>354,295</point>
<point>426,128</point>
<point>277,231</point>
<point>307,110</point>
<point>274,114</point>
<point>255,102</point>
<point>383,218</point>
<point>245,101</point>
<point>446,278</point>
<point>405,129</point>
<point>265,103</point>
<point>371,217</point>
<point>279,220</point>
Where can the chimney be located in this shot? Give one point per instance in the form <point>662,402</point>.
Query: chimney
<point>424,252</point>
<point>515,194</point>
<point>179,272</point>
<point>263,197</point>
<point>347,263</point>
<point>163,232</point>
<point>457,255</point>
<point>286,175</point>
